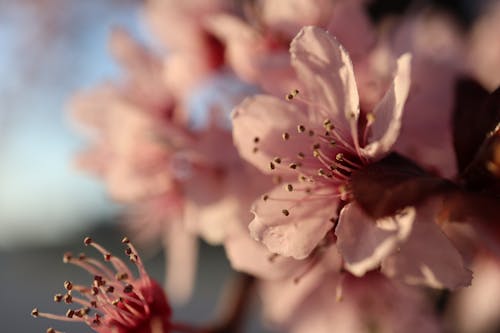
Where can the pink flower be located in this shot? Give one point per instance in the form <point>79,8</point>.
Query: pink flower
<point>344,304</point>
<point>320,142</point>
<point>257,45</point>
<point>116,302</point>
<point>194,52</point>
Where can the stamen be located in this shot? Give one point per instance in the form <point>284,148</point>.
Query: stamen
<point>285,136</point>
<point>285,212</point>
<point>277,160</point>
<point>256,139</point>
<point>289,188</point>
<point>301,128</point>
<point>265,197</point>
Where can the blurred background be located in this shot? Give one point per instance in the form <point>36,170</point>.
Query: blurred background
<point>48,50</point>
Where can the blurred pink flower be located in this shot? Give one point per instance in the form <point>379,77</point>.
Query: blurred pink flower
<point>483,53</point>
<point>471,310</point>
<point>193,51</point>
<point>257,47</point>
<point>343,303</point>
<point>322,143</point>
<point>178,181</point>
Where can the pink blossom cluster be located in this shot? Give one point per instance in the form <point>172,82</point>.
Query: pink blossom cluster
<point>352,168</point>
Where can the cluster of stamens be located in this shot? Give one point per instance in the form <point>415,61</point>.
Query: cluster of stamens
<point>114,293</point>
<point>325,168</point>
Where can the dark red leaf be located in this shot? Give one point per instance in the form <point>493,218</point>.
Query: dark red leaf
<point>476,114</point>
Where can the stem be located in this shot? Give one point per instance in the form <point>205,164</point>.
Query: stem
<point>185,328</point>
<point>236,307</point>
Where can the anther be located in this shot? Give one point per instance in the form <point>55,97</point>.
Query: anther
<point>133,258</point>
<point>93,304</point>
<point>316,153</point>
<point>50,330</point>
<point>292,166</point>
<point>277,160</point>
<point>327,124</point>
<point>333,142</point>
<point>301,128</point>
<point>128,288</point>
<point>68,299</point>
<point>67,257</point>
<point>125,240</point>
<point>321,172</point>
<point>34,312</point>
<point>121,276</point>
<point>94,291</point>
<point>256,139</point>
<point>107,256</point>
<point>301,155</point>
<point>58,298</point>
<point>289,187</point>
<point>115,302</point>
<point>339,157</point>
<point>292,94</point>
<point>70,313</point>
<point>271,165</point>
<point>370,118</point>
<point>285,136</point>
<point>316,146</point>
<point>265,197</point>
<point>110,289</point>
<point>285,212</point>
<point>68,285</point>
<point>87,241</point>
<point>128,251</point>
<point>255,150</point>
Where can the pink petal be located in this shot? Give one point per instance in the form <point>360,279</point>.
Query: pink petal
<point>259,123</point>
<point>389,111</point>
<point>248,255</point>
<point>326,70</point>
<point>428,257</point>
<point>364,242</point>
<point>297,234</point>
